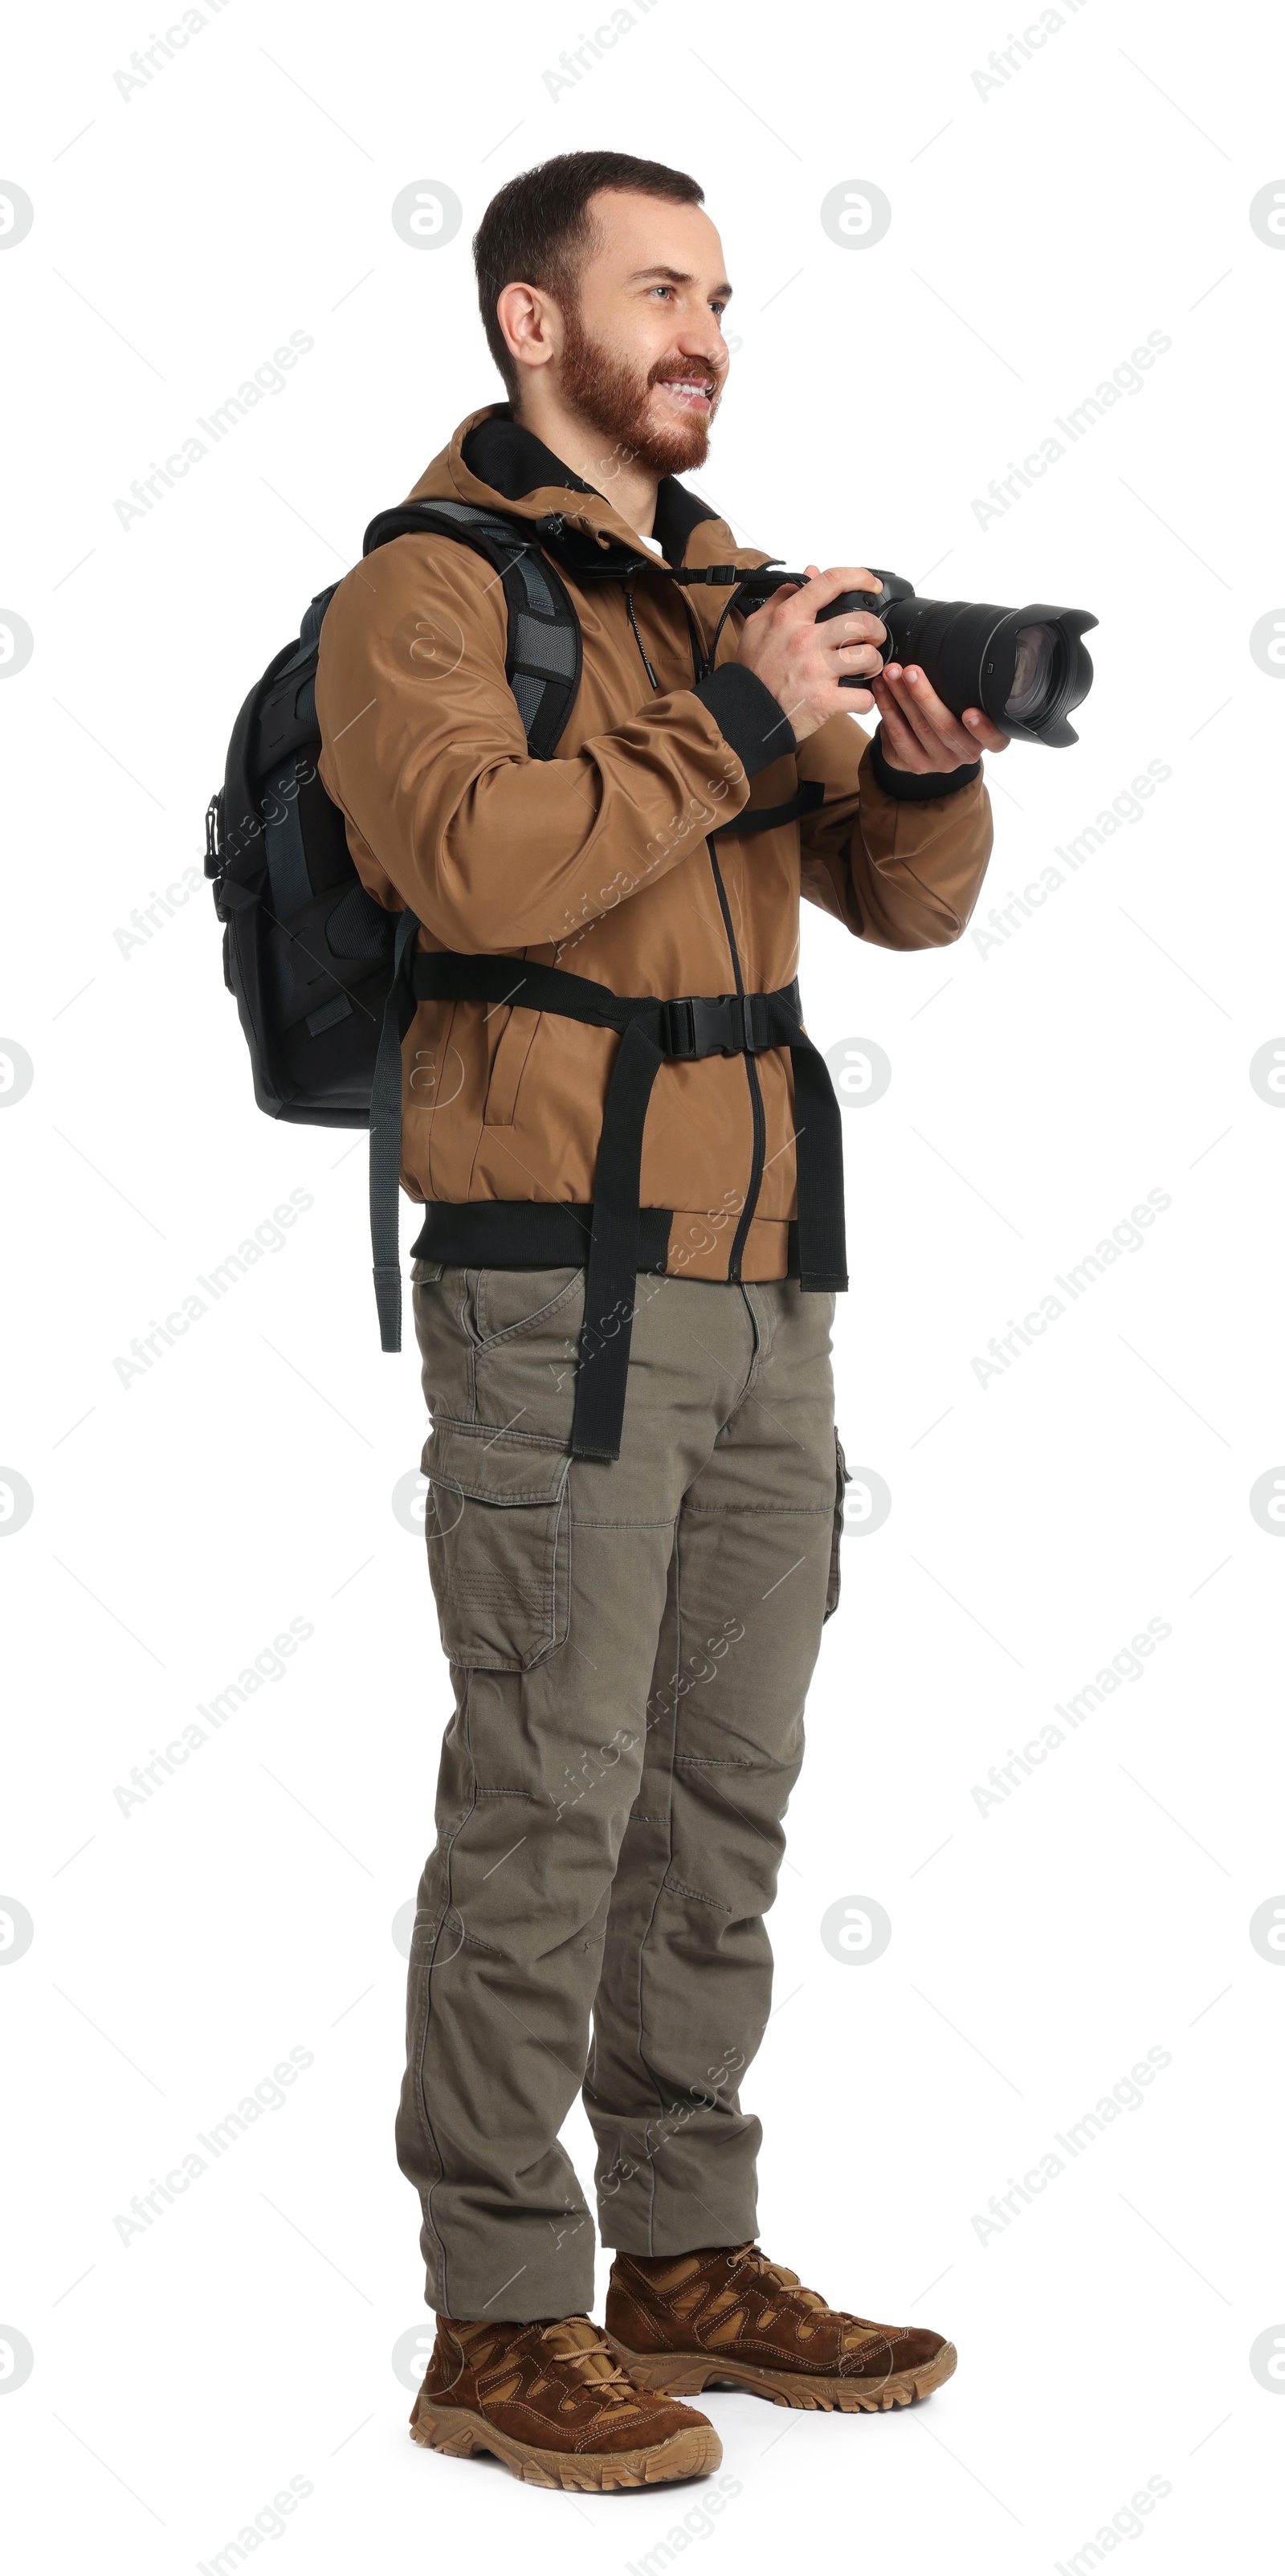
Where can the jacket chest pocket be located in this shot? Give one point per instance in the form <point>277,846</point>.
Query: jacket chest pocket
<point>508,1065</point>
<point>499,1546</point>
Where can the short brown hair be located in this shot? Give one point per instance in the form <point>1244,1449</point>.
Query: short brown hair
<point>538,229</point>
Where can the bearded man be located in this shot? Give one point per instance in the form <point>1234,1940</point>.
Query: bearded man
<point>627,1152</point>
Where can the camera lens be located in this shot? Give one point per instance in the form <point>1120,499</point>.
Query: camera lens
<point>1027,667</point>
<point>1033,673</point>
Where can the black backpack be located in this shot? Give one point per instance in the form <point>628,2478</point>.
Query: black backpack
<point>313,961</point>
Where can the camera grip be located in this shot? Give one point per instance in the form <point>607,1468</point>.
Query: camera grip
<point>849,603</point>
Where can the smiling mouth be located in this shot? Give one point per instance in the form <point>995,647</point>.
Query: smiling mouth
<point>685,389</point>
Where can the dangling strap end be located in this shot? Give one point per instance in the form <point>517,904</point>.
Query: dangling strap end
<point>388,1300</point>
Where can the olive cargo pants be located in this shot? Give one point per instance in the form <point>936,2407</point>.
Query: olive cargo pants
<point>631,1642</point>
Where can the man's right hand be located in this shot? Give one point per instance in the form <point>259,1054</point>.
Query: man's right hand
<point>803,663</point>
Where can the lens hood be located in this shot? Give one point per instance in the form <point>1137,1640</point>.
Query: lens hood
<point>970,652</point>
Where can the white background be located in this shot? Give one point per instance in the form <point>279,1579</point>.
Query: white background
<point>1040,232</point>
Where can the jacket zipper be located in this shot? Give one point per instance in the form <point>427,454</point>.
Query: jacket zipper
<point>702,665</point>
<point>758,1118</point>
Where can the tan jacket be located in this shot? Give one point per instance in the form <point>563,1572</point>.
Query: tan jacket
<point>596,860</point>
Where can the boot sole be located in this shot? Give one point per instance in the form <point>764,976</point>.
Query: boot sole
<point>457,2433</point>
<point>683,2374</point>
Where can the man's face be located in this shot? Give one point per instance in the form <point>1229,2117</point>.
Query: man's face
<point>642,360</point>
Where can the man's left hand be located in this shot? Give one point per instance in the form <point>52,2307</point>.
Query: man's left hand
<point>918,731</point>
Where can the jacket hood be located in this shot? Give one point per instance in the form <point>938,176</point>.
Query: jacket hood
<point>493,460</point>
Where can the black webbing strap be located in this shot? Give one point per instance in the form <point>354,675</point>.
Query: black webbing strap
<point>809,796</point>
<point>544,650</point>
<point>654,1031</point>
<point>386,1143</point>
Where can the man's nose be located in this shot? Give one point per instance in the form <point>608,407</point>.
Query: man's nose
<point>703,341</point>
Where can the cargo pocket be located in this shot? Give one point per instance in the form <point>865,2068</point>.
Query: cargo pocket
<point>841,1478</point>
<point>498,1530</point>
<point>528,1325</point>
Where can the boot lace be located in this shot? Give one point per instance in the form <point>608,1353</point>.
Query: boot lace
<point>580,2346</point>
<point>752,2260</point>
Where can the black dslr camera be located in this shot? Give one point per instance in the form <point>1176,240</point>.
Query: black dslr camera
<point>1026,667</point>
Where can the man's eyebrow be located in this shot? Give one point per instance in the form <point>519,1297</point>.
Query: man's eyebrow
<point>676,277</point>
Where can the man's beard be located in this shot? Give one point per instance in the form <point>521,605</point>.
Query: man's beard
<point>612,396</point>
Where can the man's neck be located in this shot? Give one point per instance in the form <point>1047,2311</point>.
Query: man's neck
<point>630,487</point>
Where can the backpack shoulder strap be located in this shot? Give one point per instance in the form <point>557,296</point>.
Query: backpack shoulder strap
<point>543,661</point>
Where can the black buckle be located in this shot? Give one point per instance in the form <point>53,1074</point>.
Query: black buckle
<point>701,1024</point>
<point>211,843</point>
<point>678,1027</point>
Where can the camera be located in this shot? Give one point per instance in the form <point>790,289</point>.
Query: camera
<point>1026,667</point>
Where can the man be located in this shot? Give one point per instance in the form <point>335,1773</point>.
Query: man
<point>624,1290</point>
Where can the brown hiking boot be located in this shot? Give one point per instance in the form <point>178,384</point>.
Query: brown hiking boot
<point>553,2403</point>
<point>731,2317</point>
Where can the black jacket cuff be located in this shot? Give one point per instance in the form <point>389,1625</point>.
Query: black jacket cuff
<point>908,784</point>
<point>747,716</point>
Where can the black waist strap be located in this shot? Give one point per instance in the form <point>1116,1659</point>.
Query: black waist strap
<point>693,1025</point>
<point>651,1032</point>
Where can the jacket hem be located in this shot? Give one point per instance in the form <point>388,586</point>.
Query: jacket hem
<point>542,1234</point>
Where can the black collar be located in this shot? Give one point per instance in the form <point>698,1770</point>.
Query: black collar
<point>513,461</point>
